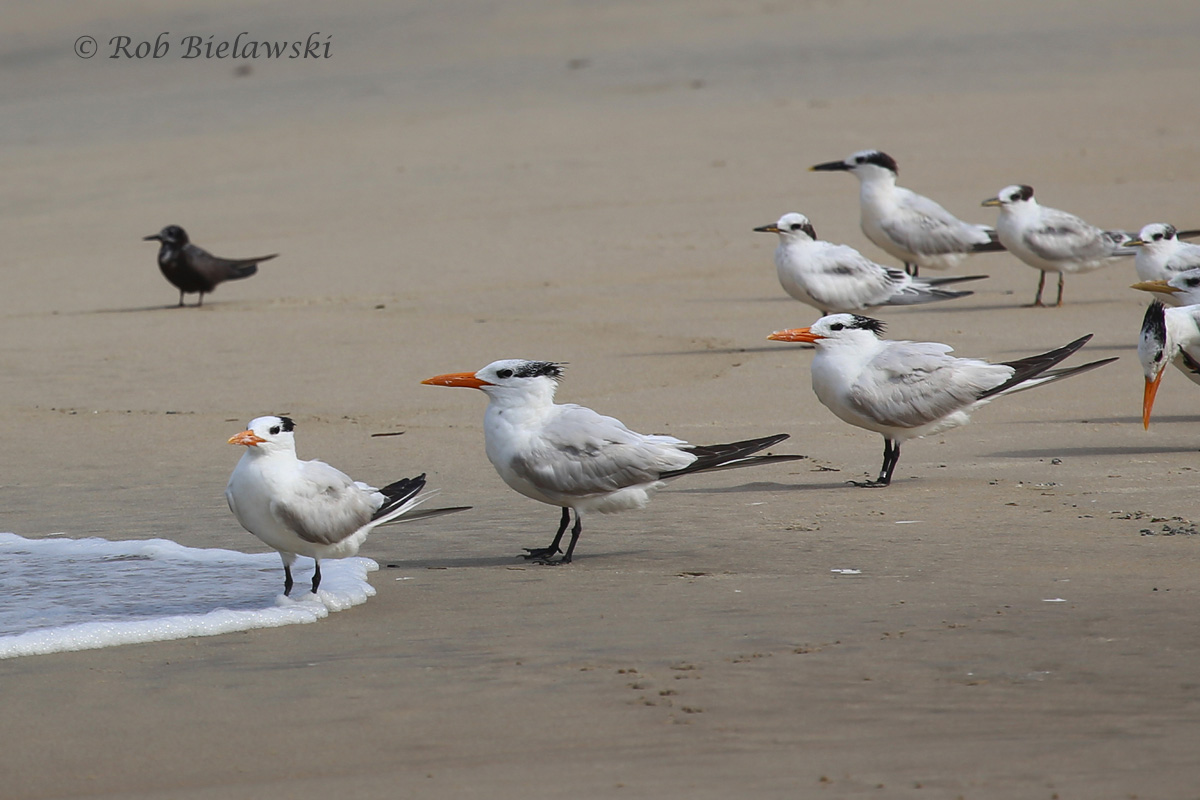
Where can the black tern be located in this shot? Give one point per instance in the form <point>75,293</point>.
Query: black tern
<point>193,269</point>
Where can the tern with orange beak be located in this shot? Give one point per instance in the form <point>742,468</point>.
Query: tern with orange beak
<point>569,456</point>
<point>905,390</point>
<point>1169,335</point>
<point>309,508</point>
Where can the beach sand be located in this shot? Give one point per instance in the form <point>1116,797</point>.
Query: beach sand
<point>578,182</point>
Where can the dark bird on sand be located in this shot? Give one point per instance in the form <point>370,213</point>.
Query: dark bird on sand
<point>193,269</point>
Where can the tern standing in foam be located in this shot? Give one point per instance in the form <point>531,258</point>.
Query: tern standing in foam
<point>569,456</point>
<point>905,390</point>
<point>1160,253</point>
<point>309,508</point>
<point>1051,240</point>
<point>834,277</point>
<point>193,269</point>
<point>1168,335</point>
<point>904,224</point>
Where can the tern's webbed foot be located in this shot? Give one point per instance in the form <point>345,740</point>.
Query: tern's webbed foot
<point>870,484</point>
<point>540,555</point>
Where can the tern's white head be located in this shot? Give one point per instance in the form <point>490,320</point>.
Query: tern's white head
<point>836,328</point>
<point>268,435</point>
<point>1013,198</point>
<point>791,227</point>
<point>1154,237</point>
<point>512,380</point>
<point>867,165</point>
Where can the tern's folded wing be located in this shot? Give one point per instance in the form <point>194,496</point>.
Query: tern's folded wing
<point>325,506</point>
<point>1065,237</point>
<point>911,384</point>
<point>581,452</point>
<point>922,226</point>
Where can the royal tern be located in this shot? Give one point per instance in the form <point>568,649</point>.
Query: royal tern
<point>1169,335</point>
<point>1050,240</point>
<point>907,225</point>
<point>309,508</point>
<point>193,269</point>
<point>904,390</point>
<point>569,456</point>
<point>1161,254</point>
<point>834,277</point>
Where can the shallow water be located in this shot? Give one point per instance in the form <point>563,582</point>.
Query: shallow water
<point>60,594</point>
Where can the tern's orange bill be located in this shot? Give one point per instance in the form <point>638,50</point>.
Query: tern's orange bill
<point>247,437</point>
<point>1148,398</point>
<point>795,335</point>
<point>464,379</point>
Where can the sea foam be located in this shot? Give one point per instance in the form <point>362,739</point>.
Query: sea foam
<point>60,594</point>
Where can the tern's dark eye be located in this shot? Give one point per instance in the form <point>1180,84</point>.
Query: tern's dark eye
<point>1157,237</point>
<point>797,226</point>
<point>1192,282</point>
<point>504,373</point>
<point>837,326</point>
<point>274,430</point>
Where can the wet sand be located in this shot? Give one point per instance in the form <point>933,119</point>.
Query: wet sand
<point>579,183</point>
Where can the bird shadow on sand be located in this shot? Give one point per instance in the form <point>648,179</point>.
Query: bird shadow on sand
<point>759,486</point>
<point>1131,420</point>
<point>135,310</point>
<point>514,561</point>
<point>1093,451</point>
<point>707,351</point>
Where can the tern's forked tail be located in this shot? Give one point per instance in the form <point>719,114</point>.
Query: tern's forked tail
<point>731,456</point>
<point>1035,370</point>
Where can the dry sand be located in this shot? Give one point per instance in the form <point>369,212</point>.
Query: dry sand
<point>578,182</point>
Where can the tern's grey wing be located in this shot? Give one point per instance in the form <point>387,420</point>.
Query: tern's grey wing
<point>1065,237</point>
<point>581,452</point>
<point>1183,259</point>
<point>911,384</point>
<point>215,270</point>
<point>922,226</point>
<point>841,277</point>
<point>325,505</point>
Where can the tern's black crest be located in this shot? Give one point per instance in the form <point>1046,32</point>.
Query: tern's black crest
<point>1154,324</point>
<point>1168,233</point>
<point>879,159</point>
<point>1024,192</point>
<point>875,326</point>
<point>288,425</point>
<point>536,369</point>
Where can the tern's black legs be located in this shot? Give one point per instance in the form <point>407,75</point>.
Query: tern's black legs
<point>288,583</point>
<point>1058,303</point>
<point>575,531</point>
<point>180,299</point>
<point>542,555</point>
<point>891,454</point>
